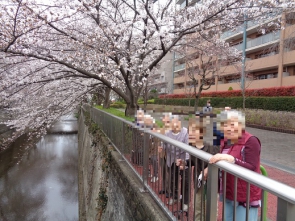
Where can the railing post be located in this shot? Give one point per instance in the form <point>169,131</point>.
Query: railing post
<point>212,188</point>
<point>285,210</point>
<point>145,160</point>
<point>123,140</point>
<point>264,203</point>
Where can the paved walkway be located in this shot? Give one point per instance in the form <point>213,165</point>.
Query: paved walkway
<point>278,149</point>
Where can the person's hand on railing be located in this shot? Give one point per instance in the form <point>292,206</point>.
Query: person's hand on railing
<point>217,157</point>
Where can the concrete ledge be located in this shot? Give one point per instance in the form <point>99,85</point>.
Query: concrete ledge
<point>141,206</point>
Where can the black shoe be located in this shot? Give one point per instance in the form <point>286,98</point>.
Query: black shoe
<point>162,192</point>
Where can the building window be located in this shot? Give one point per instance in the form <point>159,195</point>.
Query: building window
<point>266,76</point>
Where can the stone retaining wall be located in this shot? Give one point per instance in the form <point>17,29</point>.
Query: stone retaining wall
<point>117,185</point>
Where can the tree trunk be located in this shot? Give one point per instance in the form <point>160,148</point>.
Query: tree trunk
<point>131,103</point>
<point>197,98</point>
<point>196,103</point>
<point>130,109</point>
<point>145,97</point>
<point>144,104</point>
<point>99,99</point>
<point>106,103</point>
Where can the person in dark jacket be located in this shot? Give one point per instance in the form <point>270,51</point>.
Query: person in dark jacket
<point>197,131</point>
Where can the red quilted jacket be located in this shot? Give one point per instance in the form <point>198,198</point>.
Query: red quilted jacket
<point>236,150</point>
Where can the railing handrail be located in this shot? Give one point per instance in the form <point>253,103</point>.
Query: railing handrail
<point>277,188</point>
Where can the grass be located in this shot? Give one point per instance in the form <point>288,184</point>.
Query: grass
<point>121,114</point>
<point>115,112</point>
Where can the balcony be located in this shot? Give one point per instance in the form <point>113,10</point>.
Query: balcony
<point>262,40</point>
<point>178,91</point>
<point>289,58</point>
<point>179,80</point>
<point>178,56</point>
<point>227,70</point>
<point>229,33</point>
<point>183,2</point>
<point>239,29</point>
<point>288,81</point>
<point>252,23</point>
<point>290,31</point>
<point>179,67</point>
<point>253,84</point>
<point>251,28</point>
<point>179,1</point>
<point>263,63</point>
<point>239,47</point>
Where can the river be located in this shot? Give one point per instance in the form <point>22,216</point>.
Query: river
<point>39,182</point>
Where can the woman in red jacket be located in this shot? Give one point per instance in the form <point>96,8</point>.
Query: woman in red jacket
<point>241,148</point>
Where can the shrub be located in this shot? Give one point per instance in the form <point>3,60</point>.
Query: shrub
<point>265,103</point>
<point>151,101</point>
<point>278,119</point>
<point>263,92</point>
<point>118,104</point>
<point>230,89</point>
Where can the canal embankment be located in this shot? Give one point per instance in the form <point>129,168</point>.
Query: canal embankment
<point>108,188</point>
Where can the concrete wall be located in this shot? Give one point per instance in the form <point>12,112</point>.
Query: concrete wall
<point>125,201</point>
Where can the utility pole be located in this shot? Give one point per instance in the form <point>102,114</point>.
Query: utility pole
<point>244,52</point>
<point>244,59</point>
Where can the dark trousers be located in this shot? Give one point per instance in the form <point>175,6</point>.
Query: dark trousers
<point>164,171</point>
<point>175,175</point>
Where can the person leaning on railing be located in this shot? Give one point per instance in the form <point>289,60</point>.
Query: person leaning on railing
<point>178,133</point>
<point>241,148</point>
<point>196,132</point>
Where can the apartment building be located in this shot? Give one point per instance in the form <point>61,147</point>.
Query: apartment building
<point>270,58</point>
<point>161,80</point>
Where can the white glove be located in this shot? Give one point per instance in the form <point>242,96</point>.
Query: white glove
<point>200,180</point>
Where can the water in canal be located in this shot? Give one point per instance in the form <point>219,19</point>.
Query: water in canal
<point>40,183</point>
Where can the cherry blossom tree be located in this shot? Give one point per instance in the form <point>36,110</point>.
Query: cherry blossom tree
<point>203,55</point>
<point>53,53</point>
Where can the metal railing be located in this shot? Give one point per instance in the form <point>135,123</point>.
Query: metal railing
<point>138,146</point>
<point>250,24</point>
<point>229,33</point>
<point>263,39</point>
<point>259,41</point>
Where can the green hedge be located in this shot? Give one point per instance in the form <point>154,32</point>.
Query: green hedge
<point>265,103</point>
<point>151,101</point>
<point>118,104</point>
